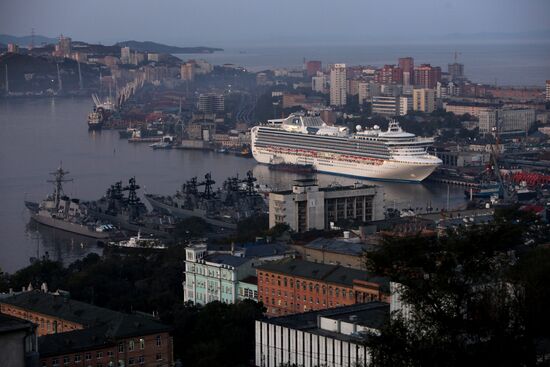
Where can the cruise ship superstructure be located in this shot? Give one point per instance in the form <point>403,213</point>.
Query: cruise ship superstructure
<point>368,153</point>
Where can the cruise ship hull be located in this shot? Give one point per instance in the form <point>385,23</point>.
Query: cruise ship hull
<point>387,170</point>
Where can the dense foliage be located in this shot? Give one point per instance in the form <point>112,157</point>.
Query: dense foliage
<point>476,296</point>
<point>215,335</point>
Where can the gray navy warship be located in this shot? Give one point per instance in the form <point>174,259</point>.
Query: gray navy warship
<point>61,212</point>
<point>236,200</point>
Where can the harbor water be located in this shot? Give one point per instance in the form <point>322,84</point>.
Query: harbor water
<point>37,135</point>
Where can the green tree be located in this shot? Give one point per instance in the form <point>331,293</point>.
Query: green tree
<point>466,304</point>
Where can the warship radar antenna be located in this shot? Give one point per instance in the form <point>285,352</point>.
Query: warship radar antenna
<point>250,179</point>
<point>59,179</point>
<point>208,183</point>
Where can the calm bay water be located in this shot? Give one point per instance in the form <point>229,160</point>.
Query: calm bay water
<point>38,134</point>
<point>510,63</point>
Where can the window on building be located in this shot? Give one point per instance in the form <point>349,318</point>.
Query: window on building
<point>159,341</point>
<point>120,347</point>
<point>77,358</point>
<point>55,362</point>
<point>310,287</point>
<point>141,359</point>
<point>285,282</point>
<point>44,364</point>
<point>99,355</point>
<point>159,357</point>
<point>298,284</point>
<point>88,356</point>
<point>344,293</point>
<point>66,360</point>
<point>110,354</point>
<point>131,345</point>
<point>131,361</point>
<point>141,343</point>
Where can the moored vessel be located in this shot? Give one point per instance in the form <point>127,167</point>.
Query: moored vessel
<point>61,212</point>
<point>300,139</point>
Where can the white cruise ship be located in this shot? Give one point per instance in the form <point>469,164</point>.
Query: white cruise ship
<point>371,153</point>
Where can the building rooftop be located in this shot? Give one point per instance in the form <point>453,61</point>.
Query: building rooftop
<point>372,315</point>
<point>10,324</point>
<point>335,274</point>
<point>299,268</point>
<point>226,259</point>
<point>339,246</point>
<point>331,188</point>
<point>62,307</point>
<point>266,250</point>
<point>99,336</point>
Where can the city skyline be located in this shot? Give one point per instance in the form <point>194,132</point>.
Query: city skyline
<point>243,22</point>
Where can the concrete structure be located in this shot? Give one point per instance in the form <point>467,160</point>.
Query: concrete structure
<point>406,64</point>
<point>313,67</point>
<point>338,85</point>
<point>471,108</point>
<point>125,55</point>
<point>423,100</point>
<point>456,71</point>
<point>331,338</point>
<point>187,72</point>
<point>213,277</point>
<point>386,105</point>
<point>405,105</point>
<point>13,48</point>
<point>427,76</point>
<point>347,252</point>
<point>389,74</point>
<point>211,103</point>
<point>72,332</point>
<point>18,342</point>
<point>506,120</point>
<point>319,83</point>
<point>306,206</point>
<point>367,90</point>
<point>215,274</point>
<point>292,286</point>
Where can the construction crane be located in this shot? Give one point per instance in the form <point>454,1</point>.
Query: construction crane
<point>494,158</point>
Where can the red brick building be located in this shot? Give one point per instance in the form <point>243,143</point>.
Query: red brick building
<point>427,76</point>
<point>389,74</point>
<point>294,286</point>
<point>73,333</point>
<point>312,67</point>
<point>407,66</point>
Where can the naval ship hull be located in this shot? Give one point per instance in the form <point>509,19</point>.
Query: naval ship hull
<point>185,213</point>
<point>124,224</point>
<point>69,227</point>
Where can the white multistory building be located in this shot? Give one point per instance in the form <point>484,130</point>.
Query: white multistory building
<point>338,85</point>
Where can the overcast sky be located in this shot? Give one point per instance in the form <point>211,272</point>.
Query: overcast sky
<point>270,22</point>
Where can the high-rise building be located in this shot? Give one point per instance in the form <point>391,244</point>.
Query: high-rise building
<point>125,55</point>
<point>427,76</point>
<point>338,85</point>
<point>187,72</point>
<point>424,100</point>
<point>367,90</point>
<point>405,105</point>
<point>211,103</point>
<point>313,67</point>
<point>506,121</point>
<point>386,105</point>
<point>456,71</point>
<point>548,90</point>
<point>389,74</point>
<point>319,83</point>
<point>406,64</point>
<point>13,48</point>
